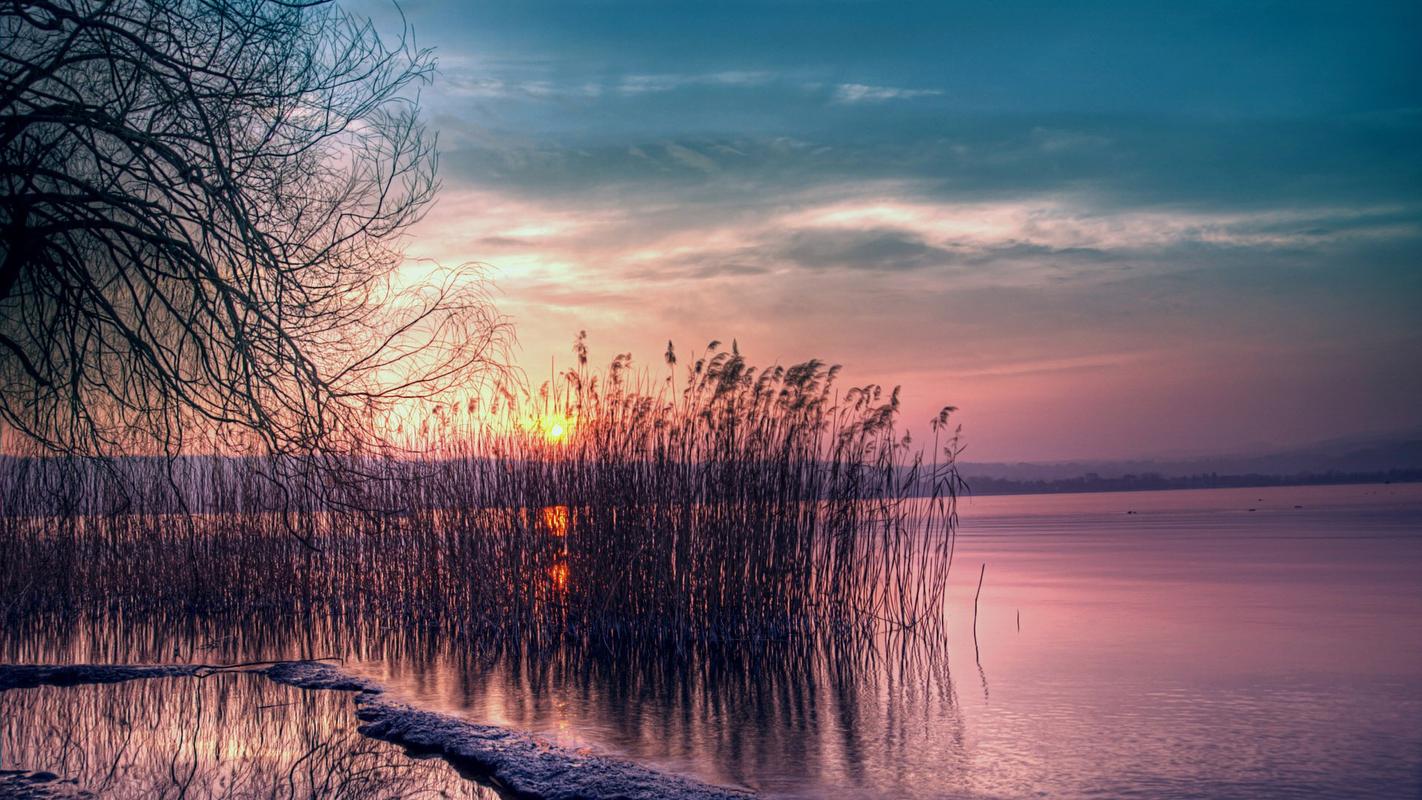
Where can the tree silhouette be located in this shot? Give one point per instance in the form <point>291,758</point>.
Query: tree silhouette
<point>202,208</point>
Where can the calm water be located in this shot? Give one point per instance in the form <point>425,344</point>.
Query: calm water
<point>224,736</point>
<point>1195,647</point>
<point>1221,643</point>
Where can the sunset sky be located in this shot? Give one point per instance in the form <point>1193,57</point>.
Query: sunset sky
<point>1102,231</point>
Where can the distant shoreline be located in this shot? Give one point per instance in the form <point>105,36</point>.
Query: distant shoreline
<point>1146,482</point>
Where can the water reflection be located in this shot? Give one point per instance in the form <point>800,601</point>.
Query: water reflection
<point>555,523</point>
<point>555,520</point>
<point>1194,648</point>
<point>779,718</point>
<point>224,736</point>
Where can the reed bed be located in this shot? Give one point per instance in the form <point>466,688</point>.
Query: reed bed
<point>715,502</point>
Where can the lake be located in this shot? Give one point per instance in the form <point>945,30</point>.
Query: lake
<point>1212,643</point>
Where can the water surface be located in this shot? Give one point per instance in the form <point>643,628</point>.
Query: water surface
<point>1220,643</point>
<point>235,735</point>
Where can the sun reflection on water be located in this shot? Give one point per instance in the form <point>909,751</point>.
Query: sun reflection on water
<point>555,519</point>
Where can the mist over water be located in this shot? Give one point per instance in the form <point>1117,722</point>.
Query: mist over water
<point>1225,643</point>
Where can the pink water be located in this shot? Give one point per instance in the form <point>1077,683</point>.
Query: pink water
<point>1249,643</point>
<point>1215,643</point>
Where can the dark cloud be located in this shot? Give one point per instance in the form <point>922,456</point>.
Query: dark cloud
<point>876,250</point>
<point>1119,163</point>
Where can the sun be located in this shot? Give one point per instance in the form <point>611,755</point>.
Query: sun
<point>552,427</point>
<point>555,427</point>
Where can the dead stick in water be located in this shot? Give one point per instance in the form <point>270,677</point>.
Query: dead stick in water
<point>976,596</point>
<point>979,593</point>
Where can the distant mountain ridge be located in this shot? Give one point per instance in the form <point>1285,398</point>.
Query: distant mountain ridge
<point>1372,454</point>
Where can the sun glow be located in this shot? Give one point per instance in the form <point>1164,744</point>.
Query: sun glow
<point>553,426</point>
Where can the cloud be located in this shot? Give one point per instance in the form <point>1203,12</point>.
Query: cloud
<point>874,249</point>
<point>620,237</point>
<point>1059,223</point>
<point>667,82</point>
<point>486,82</point>
<point>464,78</point>
<point>691,158</point>
<point>864,93</point>
<point>1209,166</point>
<point>464,85</point>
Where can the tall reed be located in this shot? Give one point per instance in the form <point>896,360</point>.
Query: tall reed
<point>717,503</point>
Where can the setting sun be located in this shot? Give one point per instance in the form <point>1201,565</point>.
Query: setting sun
<point>554,426</point>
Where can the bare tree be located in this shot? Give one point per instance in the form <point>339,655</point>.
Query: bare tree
<point>202,209</point>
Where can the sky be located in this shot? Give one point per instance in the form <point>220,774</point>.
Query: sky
<point>1102,230</point>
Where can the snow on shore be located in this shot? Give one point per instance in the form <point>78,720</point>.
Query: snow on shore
<point>514,762</point>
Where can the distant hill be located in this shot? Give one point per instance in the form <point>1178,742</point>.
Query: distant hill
<point>1358,454</point>
<point>1381,457</point>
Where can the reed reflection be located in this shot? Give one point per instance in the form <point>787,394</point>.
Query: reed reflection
<point>224,736</point>
<point>775,716</point>
<point>733,712</point>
